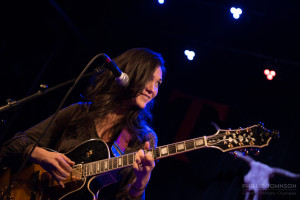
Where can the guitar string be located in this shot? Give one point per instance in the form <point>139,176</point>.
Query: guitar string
<point>172,148</point>
<point>113,162</point>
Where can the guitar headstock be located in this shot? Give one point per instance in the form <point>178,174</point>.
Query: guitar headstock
<point>256,136</point>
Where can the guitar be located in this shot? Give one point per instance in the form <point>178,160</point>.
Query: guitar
<point>93,164</point>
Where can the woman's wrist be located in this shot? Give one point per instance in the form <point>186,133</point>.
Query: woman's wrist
<point>139,184</point>
<point>36,154</point>
<point>136,190</point>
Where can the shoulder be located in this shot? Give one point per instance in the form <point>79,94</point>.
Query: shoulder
<point>73,111</point>
<point>151,136</point>
<point>79,106</point>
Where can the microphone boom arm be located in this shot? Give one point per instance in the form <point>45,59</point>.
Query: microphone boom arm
<point>12,104</point>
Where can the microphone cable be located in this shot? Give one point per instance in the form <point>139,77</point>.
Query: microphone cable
<point>98,69</point>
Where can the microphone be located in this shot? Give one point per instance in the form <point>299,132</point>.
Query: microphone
<point>121,78</point>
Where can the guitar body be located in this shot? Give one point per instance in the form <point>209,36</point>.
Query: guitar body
<point>35,183</point>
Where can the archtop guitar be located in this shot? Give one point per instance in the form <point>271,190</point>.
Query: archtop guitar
<point>94,167</point>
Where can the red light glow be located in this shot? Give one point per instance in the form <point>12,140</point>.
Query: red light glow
<point>270,77</point>
<point>270,74</point>
<point>273,73</point>
<point>266,72</point>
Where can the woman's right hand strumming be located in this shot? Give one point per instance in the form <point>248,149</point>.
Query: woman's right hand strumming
<point>57,164</point>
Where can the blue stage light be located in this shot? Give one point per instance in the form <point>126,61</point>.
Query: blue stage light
<point>161,1</point>
<point>189,54</point>
<point>236,12</point>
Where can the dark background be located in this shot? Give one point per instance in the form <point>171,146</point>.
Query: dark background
<point>51,41</point>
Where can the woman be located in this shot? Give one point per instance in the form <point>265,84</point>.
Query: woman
<point>108,111</point>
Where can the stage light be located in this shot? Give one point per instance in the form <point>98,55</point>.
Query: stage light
<point>270,74</point>
<point>269,77</point>
<point>236,12</point>
<point>189,54</point>
<point>266,72</point>
<point>161,1</point>
<point>273,73</point>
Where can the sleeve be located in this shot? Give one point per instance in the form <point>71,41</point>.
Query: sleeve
<point>17,147</point>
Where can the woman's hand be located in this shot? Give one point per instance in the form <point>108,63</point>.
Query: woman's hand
<point>57,164</point>
<point>143,166</point>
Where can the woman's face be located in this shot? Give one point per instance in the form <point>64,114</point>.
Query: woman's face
<point>150,91</point>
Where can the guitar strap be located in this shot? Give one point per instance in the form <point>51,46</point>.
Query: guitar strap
<point>119,146</point>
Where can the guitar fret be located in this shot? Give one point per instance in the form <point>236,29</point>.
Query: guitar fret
<point>120,162</point>
<point>164,151</point>
<point>156,153</point>
<point>130,159</point>
<point>90,169</point>
<point>199,142</point>
<point>110,164</point>
<point>101,166</point>
<point>125,157</point>
<point>97,167</point>
<point>172,149</point>
<point>105,165</point>
<point>85,171</point>
<point>189,144</point>
<point>94,168</point>
<point>115,163</point>
<point>180,147</point>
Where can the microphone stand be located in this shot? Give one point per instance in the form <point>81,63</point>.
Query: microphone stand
<point>12,104</point>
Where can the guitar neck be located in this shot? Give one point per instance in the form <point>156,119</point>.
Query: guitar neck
<point>110,164</point>
<point>255,136</point>
<point>178,147</point>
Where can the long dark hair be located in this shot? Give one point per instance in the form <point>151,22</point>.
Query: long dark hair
<point>106,96</point>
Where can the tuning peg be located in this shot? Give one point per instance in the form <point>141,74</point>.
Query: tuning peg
<point>245,152</point>
<point>254,152</point>
<point>276,134</point>
<point>9,101</point>
<point>43,87</point>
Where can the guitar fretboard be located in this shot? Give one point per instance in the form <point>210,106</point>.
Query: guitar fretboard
<point>110,164</point>
<point>255,136</point>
